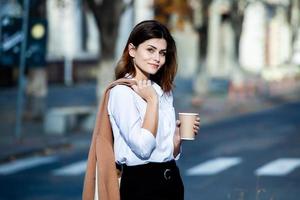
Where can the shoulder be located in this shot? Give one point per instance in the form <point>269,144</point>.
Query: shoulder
<point>121,92</point>
<point>121,89</point>
<point>169,96</point>
<point>121,99</point>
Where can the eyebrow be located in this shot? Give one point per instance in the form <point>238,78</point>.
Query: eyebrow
<point>156,48</point>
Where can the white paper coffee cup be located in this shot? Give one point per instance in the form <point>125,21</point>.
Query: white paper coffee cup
<point>187,122</point>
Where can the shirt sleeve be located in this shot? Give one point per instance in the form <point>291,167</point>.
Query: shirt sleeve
<point>122,106</point>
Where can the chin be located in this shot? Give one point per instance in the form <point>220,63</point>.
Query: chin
<point>152,72</point>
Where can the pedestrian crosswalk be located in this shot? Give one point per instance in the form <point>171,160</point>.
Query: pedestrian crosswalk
<point>279,167</point>
<point>23,164</point>
<point>213,166</point>
<point>76,168</point>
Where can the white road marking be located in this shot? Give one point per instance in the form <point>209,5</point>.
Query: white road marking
<point>26,163</point>
<point>279,167</point>
<point>214,166</point>
<point>72,169</point>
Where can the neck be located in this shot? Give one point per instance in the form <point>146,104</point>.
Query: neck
<point>140,75</point>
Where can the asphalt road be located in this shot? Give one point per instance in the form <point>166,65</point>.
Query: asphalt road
<point>251,157</point>
<point>255,156</point>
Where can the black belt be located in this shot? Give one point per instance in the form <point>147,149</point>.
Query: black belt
<point>164,168</point>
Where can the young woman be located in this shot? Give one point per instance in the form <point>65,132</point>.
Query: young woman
<point>145,131</point>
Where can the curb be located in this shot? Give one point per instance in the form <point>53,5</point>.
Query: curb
<point>29,149</point>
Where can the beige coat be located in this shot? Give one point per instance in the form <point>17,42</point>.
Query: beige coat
<point>101,155</point>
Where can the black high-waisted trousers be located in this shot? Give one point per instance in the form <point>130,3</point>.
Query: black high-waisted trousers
<point>152,181</point>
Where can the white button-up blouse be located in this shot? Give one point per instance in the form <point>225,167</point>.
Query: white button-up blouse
<point>134,145</point>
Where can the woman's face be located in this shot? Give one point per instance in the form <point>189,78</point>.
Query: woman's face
<point>149,56</point>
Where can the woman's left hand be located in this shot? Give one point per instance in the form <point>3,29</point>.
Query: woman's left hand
<point>197,125</point>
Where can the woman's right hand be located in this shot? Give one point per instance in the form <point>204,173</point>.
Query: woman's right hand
<point>145,90</point>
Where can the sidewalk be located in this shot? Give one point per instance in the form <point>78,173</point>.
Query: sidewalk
<point>33,137</point>
<point>212,108</point>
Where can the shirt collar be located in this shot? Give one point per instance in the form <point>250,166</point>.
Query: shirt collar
<point>129,76</point>
<point>157,88</point>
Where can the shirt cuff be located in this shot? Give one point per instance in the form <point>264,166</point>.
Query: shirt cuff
<point>179,154</point>
<point>149,142</point>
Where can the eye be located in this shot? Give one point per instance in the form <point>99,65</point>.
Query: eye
<point>163,53</point>
<point>151,50</point>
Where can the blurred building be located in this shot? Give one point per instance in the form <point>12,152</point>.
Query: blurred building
<point>215,38</point>
<point>73,38</point>
<point>267,38</point>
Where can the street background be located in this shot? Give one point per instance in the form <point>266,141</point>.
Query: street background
<point>239,66</point>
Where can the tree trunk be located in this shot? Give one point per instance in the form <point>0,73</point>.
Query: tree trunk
<point>36,90</point>
<point>107,14</point>
<point>37,87</point>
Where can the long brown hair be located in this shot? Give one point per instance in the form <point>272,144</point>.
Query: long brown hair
<point>144,31</point>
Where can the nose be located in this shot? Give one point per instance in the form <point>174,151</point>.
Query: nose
<point>156,57</point>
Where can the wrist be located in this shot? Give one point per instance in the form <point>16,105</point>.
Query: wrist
<point>177,141</point>
<point>152,100</point>
<point>176,148</point>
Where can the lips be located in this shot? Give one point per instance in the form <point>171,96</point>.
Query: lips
<point>154,65</point>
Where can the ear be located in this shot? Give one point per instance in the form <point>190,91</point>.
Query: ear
<point>131,50</point>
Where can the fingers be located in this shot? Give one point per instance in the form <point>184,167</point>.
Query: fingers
<point>196,129</point>
<point>197,121</point>
<point>140,84</point>
<point>143,83</point>
<point>197,125</point>
<point>134,87</point>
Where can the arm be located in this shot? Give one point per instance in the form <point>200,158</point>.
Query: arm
<point>123,109</point>
<point>151,117</point>
<point>147,92</point>
<point>176,140</point>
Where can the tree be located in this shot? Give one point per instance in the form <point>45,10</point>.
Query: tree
<point>107,14</point>
<point>36,88</point>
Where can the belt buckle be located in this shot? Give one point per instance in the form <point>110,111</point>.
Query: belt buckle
<point>167,174</point>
